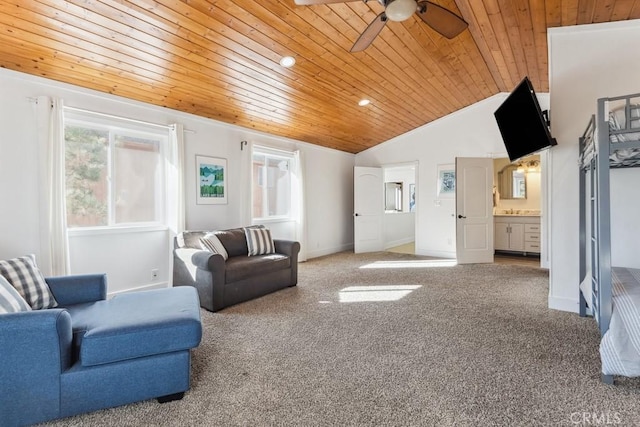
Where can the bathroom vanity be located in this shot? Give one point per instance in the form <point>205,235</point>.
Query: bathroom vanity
<point>517,233</point>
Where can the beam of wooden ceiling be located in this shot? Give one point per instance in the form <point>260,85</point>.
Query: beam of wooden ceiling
<point>219,58</point>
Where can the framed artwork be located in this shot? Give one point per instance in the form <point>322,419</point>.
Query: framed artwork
<point>212,180</point>
<point>412,197</point>
<point>446,181</point>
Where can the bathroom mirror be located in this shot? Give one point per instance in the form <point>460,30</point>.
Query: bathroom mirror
<point>512,182</point>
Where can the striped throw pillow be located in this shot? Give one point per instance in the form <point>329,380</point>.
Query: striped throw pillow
<point>211,243</point>
<point>26,278</point>
<point>10,299</point>
<point>259,241</point>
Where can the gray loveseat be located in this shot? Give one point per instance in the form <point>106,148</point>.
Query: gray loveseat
<point>241,277</point>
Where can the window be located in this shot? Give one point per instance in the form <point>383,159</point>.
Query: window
<point>271,184</point>
<point>114,172</point>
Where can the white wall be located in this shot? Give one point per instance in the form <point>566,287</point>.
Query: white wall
<point>128,261</point>
<point>586,63</point>
<point>470,132</point>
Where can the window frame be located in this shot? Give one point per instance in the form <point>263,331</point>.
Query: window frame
<point>131,128</point>
<point>272,153</point>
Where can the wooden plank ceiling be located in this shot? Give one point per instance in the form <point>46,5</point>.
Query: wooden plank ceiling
<point>220,58</point>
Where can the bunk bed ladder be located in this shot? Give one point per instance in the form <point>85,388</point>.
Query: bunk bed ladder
<point>594,241</point>
<point>601,257</point>
<point>582,170</point>
<point>602,204</point>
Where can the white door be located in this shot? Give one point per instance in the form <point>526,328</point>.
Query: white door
<point>474,210</point>
<point>368,207</point>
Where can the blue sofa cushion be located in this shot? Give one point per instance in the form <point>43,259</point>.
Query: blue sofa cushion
<point>136,324</point>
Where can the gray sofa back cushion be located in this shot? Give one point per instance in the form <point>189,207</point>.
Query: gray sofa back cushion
<point>234,241</point>
<point>190,239</point>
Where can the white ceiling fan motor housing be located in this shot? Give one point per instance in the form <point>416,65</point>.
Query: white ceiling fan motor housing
<point>399,10</point>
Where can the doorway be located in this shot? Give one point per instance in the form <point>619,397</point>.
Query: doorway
<point>401,205</point>
<point>518,201</point>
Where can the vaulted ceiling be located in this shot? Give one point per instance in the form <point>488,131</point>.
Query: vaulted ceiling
<point>220,58</point>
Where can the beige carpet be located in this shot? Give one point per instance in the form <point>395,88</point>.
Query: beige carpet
<point>389,339</point>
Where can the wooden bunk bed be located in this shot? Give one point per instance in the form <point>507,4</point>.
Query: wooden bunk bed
<point>611,294</point>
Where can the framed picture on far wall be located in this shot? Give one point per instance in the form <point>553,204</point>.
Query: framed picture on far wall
<point>446,181</point>
<point>212,180</point>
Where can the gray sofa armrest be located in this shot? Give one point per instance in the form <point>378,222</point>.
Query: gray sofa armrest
<point>203,270</point>
<point>292,249</point>
<point>287,247</point>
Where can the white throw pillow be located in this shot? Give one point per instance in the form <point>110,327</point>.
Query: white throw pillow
<point>10,299</point>
<point>211,243</point>
<point>259,241</point>
<point>26,278</point>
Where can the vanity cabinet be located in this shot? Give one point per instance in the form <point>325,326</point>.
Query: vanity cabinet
<point>516,233</point>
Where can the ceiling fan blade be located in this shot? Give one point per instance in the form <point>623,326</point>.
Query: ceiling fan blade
<point>370,33</point>
<point>440,19</point>
<point>311,2</point>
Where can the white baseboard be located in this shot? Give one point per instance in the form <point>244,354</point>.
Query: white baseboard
<point>564,304</point>
<point>158,285</point>
<point>437,254</point>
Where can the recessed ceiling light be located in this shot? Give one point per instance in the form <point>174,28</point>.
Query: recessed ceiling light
<point>287,61</point>
<point>363,102</point>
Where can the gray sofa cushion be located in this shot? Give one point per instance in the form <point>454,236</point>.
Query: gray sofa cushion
<point>234,241</point>
<point>190,239</point>
<point>239,268</point>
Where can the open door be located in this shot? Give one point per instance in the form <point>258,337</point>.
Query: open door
<point>368,206</point>
<point>474,210</point>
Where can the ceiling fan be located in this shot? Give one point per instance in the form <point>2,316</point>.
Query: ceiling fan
<point>437,17</point>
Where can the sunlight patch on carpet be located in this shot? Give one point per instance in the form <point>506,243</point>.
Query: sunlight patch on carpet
<point>376,293</point>
<point>419,263</point>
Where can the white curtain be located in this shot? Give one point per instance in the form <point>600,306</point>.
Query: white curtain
<point>54,248</point>
<point>298,203</point>
<point>175,203</point>
<point>175,180</point>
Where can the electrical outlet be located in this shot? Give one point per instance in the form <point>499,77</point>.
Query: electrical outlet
<point>154,274</point>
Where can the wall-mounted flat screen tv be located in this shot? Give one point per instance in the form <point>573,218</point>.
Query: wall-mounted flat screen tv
<point>522,124</point>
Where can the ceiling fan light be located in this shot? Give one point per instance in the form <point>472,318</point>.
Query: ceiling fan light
<point>399,10</point>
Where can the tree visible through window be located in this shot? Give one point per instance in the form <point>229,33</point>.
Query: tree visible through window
<point>114,175</point>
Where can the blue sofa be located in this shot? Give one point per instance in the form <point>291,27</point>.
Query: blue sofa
<point>92,353</point>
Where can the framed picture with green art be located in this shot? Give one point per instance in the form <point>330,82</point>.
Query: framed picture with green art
<point>212,180</point>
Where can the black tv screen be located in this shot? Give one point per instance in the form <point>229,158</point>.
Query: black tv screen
<point>523,127</point>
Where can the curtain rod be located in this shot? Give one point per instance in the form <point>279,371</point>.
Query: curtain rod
<point>112,116</point>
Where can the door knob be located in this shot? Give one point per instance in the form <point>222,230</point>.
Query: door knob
<point>461,216</point>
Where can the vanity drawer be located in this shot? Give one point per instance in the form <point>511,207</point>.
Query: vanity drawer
<point>532,237</point>
<point>532,247</point>
<point>532,228</point>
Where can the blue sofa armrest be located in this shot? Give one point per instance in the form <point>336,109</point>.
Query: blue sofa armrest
<point>36,345</point>
<point>78,289</point>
